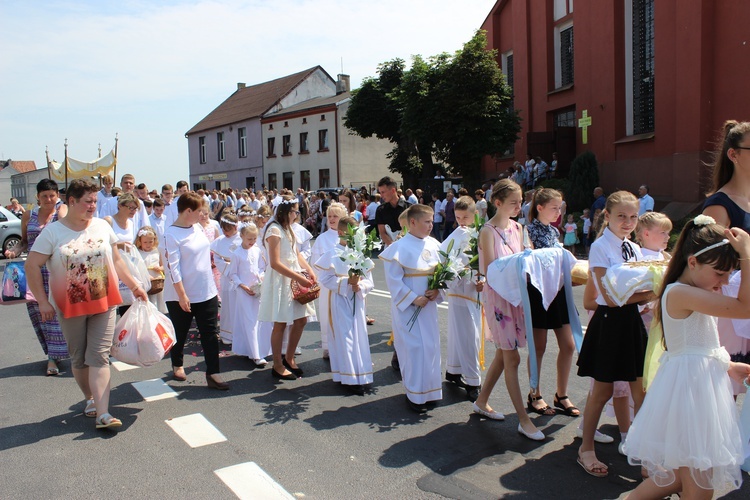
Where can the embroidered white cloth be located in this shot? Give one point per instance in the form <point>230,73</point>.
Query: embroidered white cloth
<point>623,280</point>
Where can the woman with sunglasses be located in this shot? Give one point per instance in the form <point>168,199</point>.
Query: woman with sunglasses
<point>124,227</point>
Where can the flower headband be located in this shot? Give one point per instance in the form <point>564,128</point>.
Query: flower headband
<point>246,224</point>
<point>227,221</point>
<point>703,220</point>
<point>144,232</point>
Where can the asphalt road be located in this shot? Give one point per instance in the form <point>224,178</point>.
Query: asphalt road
<point>310,437</point>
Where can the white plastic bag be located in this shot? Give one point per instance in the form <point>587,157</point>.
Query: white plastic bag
<point>143,335</point>
<point>138,270</point>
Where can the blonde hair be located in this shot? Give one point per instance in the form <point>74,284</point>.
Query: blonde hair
<point>143,232</point>
<point>248,228</point>
<point>649,220</point>
<point>465,203</point>
<point>616,198</point>
<point>418,212</point>
<point>503,188</point>
<point>337,209</point>
<point>126,198</point>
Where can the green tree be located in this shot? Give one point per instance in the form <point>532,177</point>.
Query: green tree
<point>453,108</point>
<point>583,177</point>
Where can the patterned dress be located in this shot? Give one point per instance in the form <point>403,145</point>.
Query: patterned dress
<point>506,322</point>
<point>49,332</point>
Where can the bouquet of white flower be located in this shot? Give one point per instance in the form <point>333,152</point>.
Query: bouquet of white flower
<point>447,270</point>
<point>358,252</point>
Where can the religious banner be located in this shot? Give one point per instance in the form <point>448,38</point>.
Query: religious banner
<point>70,168</point>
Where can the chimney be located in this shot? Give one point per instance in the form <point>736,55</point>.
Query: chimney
<point>240,85</point>
<point>343,84</point>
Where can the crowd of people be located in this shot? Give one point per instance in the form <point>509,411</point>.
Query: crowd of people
<point>231,261</point>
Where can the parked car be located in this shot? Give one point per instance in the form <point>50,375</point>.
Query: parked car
<point>10,230</point>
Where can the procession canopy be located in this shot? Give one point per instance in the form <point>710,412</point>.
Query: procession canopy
<point>82,170</point>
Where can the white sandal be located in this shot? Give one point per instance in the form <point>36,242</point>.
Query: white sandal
<point>106,421</point>
<point>90,410</point>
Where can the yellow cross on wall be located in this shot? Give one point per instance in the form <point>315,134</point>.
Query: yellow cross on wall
<point>584,123</point>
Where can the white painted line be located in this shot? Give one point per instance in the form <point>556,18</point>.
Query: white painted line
<point>154,389</point>
<point>196,430</point>
<point>248,480</point>
<point>120,366</point>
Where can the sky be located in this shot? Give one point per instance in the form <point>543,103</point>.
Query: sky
<point>150,70</point>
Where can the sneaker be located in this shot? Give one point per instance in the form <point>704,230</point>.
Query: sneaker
<point>621,449</point>
<point>598,436</point>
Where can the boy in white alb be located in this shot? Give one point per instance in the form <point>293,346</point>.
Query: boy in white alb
<point>324,243</point>
<point>408,263</point>
<point>464,309</point>
<point>351,362</point>
<point>223,247</point>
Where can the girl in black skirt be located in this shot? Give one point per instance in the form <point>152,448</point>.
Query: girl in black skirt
<point>545,209</point>
<point>615,343</point>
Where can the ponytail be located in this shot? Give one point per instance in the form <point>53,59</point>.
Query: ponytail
<point>541,197</point>
<point>732,134</point>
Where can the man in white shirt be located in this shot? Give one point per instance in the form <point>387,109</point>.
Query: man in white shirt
<point>372,208</point>
<point>253,202</point>
<point>437,217</point>
<point>171,211</point>
<point>411,197</point>
<point>167,194</point>
<point>127,183</point>
<point>645,201</point>
<point>104,194</point>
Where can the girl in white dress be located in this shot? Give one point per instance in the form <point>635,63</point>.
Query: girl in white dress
<point>245,277</point>
<point>276,302</point>
<point>686,434</point>
<point>222,249</point>
<point>147,242</point>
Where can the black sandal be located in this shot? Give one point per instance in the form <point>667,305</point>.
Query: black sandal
<point>570,411</point>
<point>540,411</point>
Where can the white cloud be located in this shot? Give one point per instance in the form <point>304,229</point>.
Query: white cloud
<point>151,70</point>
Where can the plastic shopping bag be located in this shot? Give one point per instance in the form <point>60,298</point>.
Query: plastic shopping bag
<point>143,336</point>
<point>138,270</point>
<point>14,284</point>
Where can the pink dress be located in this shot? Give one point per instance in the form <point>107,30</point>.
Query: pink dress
<point>505,322</point>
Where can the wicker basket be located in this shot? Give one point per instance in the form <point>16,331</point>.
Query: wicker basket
<point>304,295</point>
<point>157,286</point>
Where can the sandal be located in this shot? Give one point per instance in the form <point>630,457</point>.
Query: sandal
<point>90,410</point>
<point>52,371</point>
<point>107,421</point>
<point>595,467</point>
<point>545,410</point>
<point>570,411</point>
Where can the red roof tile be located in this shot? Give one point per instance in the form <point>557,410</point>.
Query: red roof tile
<point>23,166</point>
<point>251,102</point>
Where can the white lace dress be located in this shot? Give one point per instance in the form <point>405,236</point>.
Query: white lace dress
<point>689,418</point>
<point>276,302</point>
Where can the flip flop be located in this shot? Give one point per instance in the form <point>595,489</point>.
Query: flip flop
<point>107,421</point>
<point>53,372</point>
<point>594,465</point>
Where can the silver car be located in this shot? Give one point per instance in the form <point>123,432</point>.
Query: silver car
<point>10,230</point>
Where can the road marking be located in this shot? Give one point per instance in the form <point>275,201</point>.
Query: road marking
<point>248,480</point>
<point>154,389</point>
<point>120,366</point>
<point>196,430</point>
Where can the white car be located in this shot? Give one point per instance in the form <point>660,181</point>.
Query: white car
<point>10,230</point>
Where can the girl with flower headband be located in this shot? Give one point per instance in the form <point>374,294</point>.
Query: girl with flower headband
<point>222,249</point>
<point>687,434</point>
<point>147,243</point>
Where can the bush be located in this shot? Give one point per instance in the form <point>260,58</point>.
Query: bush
<point>583,178</point>
<point>562,185</point>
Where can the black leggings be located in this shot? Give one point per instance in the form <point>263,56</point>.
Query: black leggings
<point>207,318</point>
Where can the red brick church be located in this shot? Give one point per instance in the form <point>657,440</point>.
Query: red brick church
<point>652,80</point>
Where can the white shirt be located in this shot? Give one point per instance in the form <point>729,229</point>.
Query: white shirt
<point>439,206</point>
<point>158,223</point>
<point>171,213</point>
<point>101,199</point>
<point>413,199</point>
<point>606,251</point>
<point>140,218</point>
<point>189,262</point>
<point>645,204</point>
<point>371,209</point>
<point>254,204</point>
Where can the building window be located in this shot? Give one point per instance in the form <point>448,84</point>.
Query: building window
<point>304,180</point>
<point>562,8</point>
<point>270,126</point>
<point>322,118</point>
<point>202,149</point>
<point>289,180</point>
<point>643,66</point>
<point>286,144</point>
<point>271,147</point>
<point>303,143</point>
<point>271,181</point>
<point>242,139</point>
<point>249,182</point>
<point>566,56</point>
<point>323,140</point>
<point>286,124</point>
<point>304,121</point>
<point>324,178</point>
<point>566,118</point>
<point>199,185</point>
<point>220,145</point>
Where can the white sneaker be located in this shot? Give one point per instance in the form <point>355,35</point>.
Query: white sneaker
<point>598,437</point>
<point>621,449</point>
<point>260,362</point>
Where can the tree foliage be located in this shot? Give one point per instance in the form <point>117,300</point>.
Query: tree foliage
<point>583,177</point>
<point>450,108</point>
